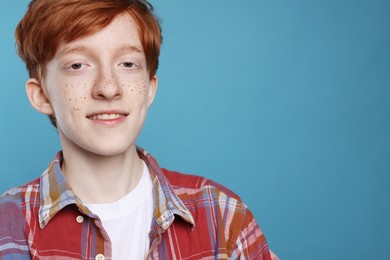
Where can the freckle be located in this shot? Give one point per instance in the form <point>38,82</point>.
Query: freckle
<point>70,99</point>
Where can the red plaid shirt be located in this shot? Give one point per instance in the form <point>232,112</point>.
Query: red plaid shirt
<point>194,218</point>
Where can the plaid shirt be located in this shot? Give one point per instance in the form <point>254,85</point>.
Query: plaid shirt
<point>194,218</point>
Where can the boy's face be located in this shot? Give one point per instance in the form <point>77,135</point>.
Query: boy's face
<point>98,89</point>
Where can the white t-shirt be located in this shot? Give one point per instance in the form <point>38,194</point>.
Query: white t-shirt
<point>128,220</point>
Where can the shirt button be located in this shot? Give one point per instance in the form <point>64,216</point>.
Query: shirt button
<point>99,257</point>
<point>80,219</point>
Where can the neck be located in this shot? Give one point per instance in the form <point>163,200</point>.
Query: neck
<point>101,179</point>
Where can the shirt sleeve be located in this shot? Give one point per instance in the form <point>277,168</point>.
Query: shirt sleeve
<point>251,242</point>
<point>13,242</point>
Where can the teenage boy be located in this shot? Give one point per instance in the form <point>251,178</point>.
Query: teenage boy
<point>92,67</point>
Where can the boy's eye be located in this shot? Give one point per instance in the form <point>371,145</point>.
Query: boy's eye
<point>76,66</point>
<point>128,64</point>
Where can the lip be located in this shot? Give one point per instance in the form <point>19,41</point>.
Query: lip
<point>107,117</point>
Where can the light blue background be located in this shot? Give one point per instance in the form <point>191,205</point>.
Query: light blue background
<point>285,102</point>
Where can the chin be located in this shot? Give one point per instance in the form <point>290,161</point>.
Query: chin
<point>111,151</point>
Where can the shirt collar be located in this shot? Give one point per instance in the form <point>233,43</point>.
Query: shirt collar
<point>166,203</point>
<point>56,194</point>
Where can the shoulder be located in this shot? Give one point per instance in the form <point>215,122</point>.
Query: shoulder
<point>195,182</point>
<point>214,205</point>
<point>15,209</point>
<point>192,188</point>
<point>13,202</point>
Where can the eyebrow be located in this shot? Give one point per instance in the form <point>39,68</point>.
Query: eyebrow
<point>84,49</point>
<point>132,48</point>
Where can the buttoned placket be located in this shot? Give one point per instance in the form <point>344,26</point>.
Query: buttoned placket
<point>98,223</point>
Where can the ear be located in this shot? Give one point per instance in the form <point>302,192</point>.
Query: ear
<point>37,96</point>
<point>152,89</point>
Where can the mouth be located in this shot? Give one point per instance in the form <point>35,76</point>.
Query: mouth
<point>106,116</point>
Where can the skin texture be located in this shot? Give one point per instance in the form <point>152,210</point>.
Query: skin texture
<point>89,79</point>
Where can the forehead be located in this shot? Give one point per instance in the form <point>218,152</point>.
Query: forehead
<point>121,31</point>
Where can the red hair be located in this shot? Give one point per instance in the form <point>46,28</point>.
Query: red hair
<point>48,23</point>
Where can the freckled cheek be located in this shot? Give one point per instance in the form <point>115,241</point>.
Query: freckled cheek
<point>75,95</point>
<point>136,89</point>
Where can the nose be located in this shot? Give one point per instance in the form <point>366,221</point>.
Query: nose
<point>107,86</point>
